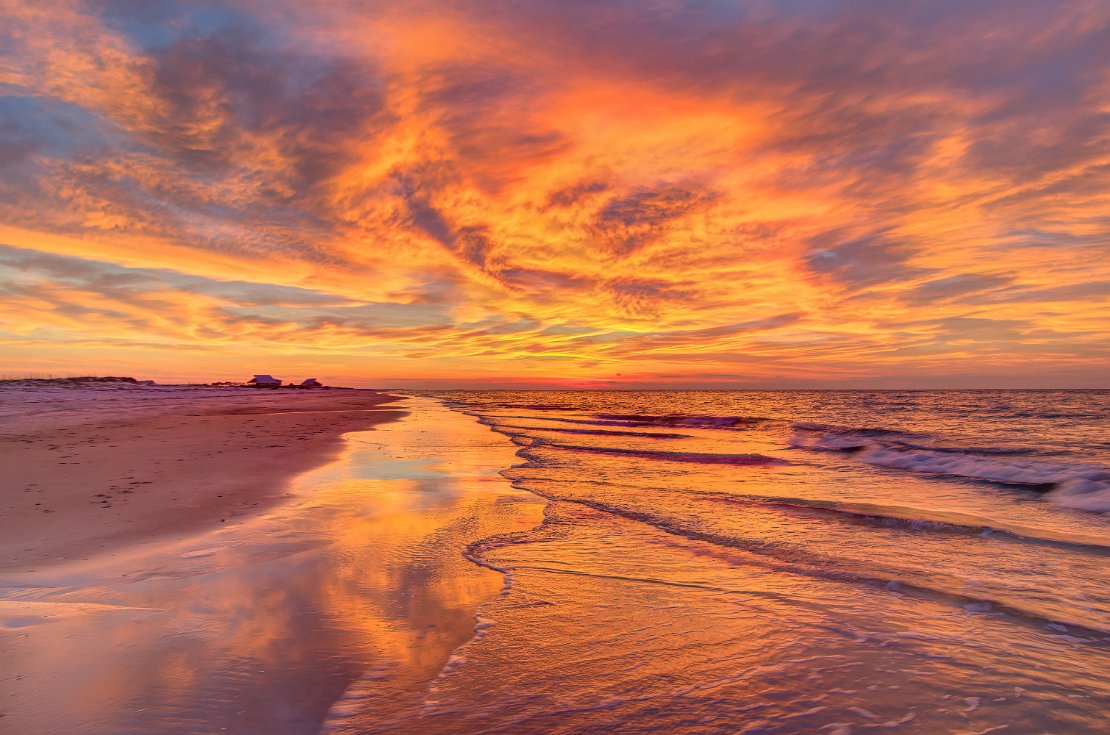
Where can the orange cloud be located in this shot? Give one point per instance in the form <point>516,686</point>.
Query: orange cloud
<point>594,193</point>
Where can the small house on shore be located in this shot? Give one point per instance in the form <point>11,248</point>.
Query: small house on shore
<point>267,380</point>
<point>311,383</point>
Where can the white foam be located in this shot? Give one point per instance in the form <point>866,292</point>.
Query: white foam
<point>1082,485</point>
<point>1083,494</point>
<point>454,662</point>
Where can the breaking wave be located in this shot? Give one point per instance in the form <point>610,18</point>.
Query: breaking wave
<point>1077,486</point>
<point>841,438</point>
<point>1083,494</point>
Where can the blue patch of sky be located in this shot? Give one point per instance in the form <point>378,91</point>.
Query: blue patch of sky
<point>52,127</point>
<point>156,24</point>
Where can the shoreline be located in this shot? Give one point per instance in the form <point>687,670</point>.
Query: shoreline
<point>88,471</point>
<point>337,610</point>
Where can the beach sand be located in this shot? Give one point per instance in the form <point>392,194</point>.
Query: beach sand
<point>88,469</point>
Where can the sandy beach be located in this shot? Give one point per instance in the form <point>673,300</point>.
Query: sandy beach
<point>286,560</point>
<point>92,468</point>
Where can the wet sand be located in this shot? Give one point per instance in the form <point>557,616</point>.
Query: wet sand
<point>89,470</point>
<point>352,594</point>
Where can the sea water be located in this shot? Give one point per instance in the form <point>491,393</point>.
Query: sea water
<point>788,562</point>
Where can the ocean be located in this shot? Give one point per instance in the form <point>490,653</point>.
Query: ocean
<point>793,561</point>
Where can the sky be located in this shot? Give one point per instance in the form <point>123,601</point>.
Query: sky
<point>769,194</point>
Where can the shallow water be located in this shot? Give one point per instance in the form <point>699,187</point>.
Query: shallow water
<point>718,562</point>
<point>794,562</point>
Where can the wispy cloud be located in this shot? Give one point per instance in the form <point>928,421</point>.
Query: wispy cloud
<point>681,193</point>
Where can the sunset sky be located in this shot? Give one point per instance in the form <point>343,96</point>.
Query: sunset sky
<point>599,194</point>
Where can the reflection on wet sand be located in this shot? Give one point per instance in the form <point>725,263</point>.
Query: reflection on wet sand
<point>275,624</point>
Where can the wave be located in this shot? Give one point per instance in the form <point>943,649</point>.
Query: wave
<point>911,519</point>
<point>860,430</point>
<point>473,404</point>
<point>871,514</point>
<point>1083,494</point>
<point>1076,486</point>
<point>825,437</point>
<point>669,456</point>
<point>830,441</point>
<point>1085,487</point>
<point>787,558</point>
<point>562,420</point>
<point>829,438</point>
<point>638,421</point>
<point>589,432</point>
<point>1006,471</point>
<point>689,420</point>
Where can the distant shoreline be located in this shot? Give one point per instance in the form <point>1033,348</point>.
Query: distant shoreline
<point>78,381</point>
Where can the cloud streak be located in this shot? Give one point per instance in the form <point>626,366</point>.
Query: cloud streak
<point>679,193</point>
